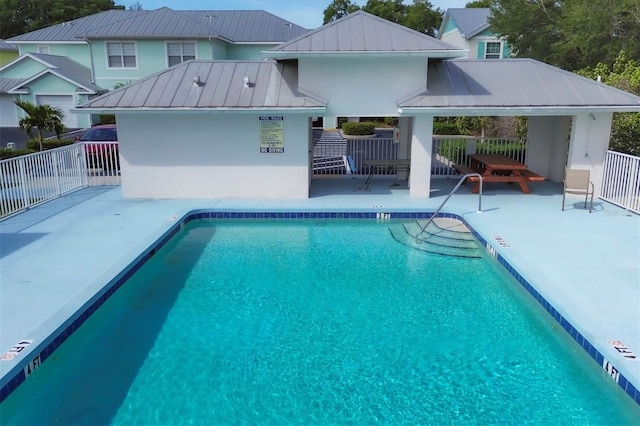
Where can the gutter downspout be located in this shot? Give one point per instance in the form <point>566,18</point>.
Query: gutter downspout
<point>93,77</point>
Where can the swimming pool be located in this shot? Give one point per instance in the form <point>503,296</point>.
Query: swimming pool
<point>316,321</point>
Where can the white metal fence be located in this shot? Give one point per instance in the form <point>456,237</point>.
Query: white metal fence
<point>621,180</point>
<point>450,150</point>
<point>35,178</point>
<point>332,155</point>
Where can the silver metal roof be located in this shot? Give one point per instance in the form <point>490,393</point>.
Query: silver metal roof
<point>62,66</point>
<point>6,46</point>
<point>363,32</point>
<point>242,26</point>
<point>512,83</point>
<point>210,85</point>
<point>7,84</point>
<point>470,21</point>
<point>245,26</point>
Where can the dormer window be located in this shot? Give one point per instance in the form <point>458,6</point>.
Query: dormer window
<point>493,50</point>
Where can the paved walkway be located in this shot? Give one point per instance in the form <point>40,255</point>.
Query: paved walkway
<point>54,257</point>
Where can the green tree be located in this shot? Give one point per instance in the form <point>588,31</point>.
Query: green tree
<point>623,74</point>
<point>596,31</point>
<point>339,8</point>
<point>44,118</point>
<point>22,16</point>
<point>478,4</point>
<point>530,27</point>
<point>420,15</point>
<point>571,34</point>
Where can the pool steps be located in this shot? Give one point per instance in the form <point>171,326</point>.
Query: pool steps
<point>443,236</point>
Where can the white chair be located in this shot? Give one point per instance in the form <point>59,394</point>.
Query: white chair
<point>577,182</point>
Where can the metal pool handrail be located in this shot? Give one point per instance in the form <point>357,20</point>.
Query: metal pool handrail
<point>449,196</point>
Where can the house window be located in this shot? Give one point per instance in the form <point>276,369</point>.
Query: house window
<point>493,50</point>
<point>44,50</point>
<point>180,52</point>
<point>121,55</point>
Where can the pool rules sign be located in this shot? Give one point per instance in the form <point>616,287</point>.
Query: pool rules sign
<point>271,135</point>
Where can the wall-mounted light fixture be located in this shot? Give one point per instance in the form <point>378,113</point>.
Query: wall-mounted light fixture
<point>591,116</point>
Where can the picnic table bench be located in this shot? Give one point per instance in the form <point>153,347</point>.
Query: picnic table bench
<point>498,168</point>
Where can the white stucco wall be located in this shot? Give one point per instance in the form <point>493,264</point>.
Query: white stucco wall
<point>590,134</point>
<point>547,145</point>
<point>362,86</point>
<point>455,38</point>
<point>199,155</point>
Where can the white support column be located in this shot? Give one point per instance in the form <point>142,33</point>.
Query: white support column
<point>404,144</point>
<point>421,145</point>
<point>590,134</point>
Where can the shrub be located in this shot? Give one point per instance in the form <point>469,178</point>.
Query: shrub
<point>442,128</point>
<point>34,144</point>
<point>341,121</point>
<point>10,153</point>
<point>453,149</point>
<point>391,121</point>
<point>358,129</point>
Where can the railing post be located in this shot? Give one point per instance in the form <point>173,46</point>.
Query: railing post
<point>23,182</point>
<point>56,173</point>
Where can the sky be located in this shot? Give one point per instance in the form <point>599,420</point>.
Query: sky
<point>306,13</point>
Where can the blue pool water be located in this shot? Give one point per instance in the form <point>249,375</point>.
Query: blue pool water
<point>316,322</point>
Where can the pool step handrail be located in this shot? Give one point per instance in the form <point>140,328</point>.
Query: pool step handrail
<point>455,188</point>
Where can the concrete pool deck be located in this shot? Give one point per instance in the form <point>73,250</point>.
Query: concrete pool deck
<point>56,256</point>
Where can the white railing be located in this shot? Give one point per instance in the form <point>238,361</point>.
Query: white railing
<point>332,150</point>
<point>621,180</point>
<point>35,178</point>
<point>103,163</point>
<point>446,151</point>
<point>450,150</point>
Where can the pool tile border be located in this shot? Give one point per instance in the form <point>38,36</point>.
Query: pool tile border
<point>39,353</point>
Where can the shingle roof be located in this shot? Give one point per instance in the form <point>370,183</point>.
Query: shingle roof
<point>512,83</point>
<point>363,32</point>
<point>240,26</point>
<point>210,85</point>
<point>470,21</point>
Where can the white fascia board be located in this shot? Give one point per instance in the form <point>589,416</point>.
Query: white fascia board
<point>267,43</point>
<point>308,110</point>
<point>47,42</point>
<point>376,54</point>
<point>513,111</point>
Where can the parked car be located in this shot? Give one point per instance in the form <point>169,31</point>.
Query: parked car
<point>101,147</point>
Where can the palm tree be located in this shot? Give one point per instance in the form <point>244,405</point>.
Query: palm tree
<point>45,118</point>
